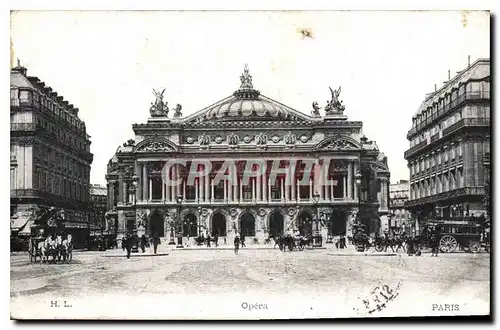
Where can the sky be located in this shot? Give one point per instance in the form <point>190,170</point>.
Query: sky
<point>106,63</point>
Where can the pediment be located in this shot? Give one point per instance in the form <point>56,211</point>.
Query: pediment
<point>338,143</point>
<point>155,145</point>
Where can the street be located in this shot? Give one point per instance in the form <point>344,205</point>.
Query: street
<point>271,275</point>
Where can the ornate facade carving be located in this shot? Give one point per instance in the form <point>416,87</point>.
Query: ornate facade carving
<point>340,144</point>
<point>177,111</point>
<point>156,146</point>
<point>232,140</point>
<point>204,141</point>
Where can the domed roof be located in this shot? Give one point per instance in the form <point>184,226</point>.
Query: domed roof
<point>246,108</point>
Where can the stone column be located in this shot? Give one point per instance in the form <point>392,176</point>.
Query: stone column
<point>178,175</point>
<point>292,183</point>
<point>144,182</point>
<point>264,188</point>
<point>310,189</point>
<point>323,191</point>
<point>173,194</point>
<point>230,191</point>
<point>282,186</point>
<point>349,180</point>
<point>212,193</point>
<point>206,180</point>
<point>167,192</point>
<point>259,196</point>
<point>241,189</point>
<point>344,195</point>
<point>125,192</point>
<point>196,189</point>
<point>225,190</point>
<point>269,189</point>
<point>287,186</point>
<point>150,189</point>
<point>298,190</point>
<point>201,186</point>
<point>162,190</point>
<point>332,197</point>
<point>253,189</point>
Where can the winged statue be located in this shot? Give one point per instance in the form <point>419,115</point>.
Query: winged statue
<point>334,105</point>
<point>159,108</point>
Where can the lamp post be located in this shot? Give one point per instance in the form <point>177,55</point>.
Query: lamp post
<point>199,221</point>
<point>135,246</point>
<point>179,202</point>
<point>358,187</point>
<point>316,218</point>
<point>392,214</point>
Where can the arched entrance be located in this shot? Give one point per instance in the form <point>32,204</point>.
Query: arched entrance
<point>247,225</point>
<point>305,223</point>
<point>218,224</point>
<point>337,223</point>
<point>157,225</point>
<point>276,224</point>
<point>189,225</point>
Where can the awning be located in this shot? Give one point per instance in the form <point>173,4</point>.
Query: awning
<point>18,223</point>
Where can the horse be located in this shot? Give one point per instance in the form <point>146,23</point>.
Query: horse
<point>44,247</point>
<point>67,248</point>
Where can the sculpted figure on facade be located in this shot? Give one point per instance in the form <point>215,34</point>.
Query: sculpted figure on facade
<point>177,111</point>
<point>232,140</point>
<point>204,140</point>
<point>261,140</point>
<point>290,139</point>
<point>157,146</point>
<point>246,79</point>
<point>316,108</point>
<point>334,105</point>
<point>159,108</point>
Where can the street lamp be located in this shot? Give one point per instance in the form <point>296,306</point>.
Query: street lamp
<point>199,221</point>
<point>358,184</point>
<point>316,199</point>
<point>179,202</point>
<point>135,180</point>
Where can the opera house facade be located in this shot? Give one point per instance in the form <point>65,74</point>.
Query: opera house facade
<point>288,171</point>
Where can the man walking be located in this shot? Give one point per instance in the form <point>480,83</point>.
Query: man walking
<point>208,240</point>
<point>242,241</point>
<point>156,241</point>
<point>216,239</point>
<point>129,242</point>
<point>236,244</point>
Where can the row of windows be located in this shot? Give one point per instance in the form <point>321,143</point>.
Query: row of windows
<point>30,98</point>
<point>66,164</point>
<point>62,135</point>
<point>59,185</point>
<point>438,184</point>
<point>471,87</point>
<point>450,153</point>
<point>473,111</point>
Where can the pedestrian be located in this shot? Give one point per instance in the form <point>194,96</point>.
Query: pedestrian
<point>156,241</point>
<point>337,241</point>
<point>143,243</point>
<point>208,240</point>
<point>236,244</point>
<point>242,240</point>
<point>124,243</point>
<point>129,243</point>
<point>216,239</point>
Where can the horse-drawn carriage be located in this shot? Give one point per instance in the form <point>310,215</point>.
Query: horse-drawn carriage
<point>45,243</point>
<point>466,236</point>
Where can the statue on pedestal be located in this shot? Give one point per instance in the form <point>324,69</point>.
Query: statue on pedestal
<point>334,106</point>
<point>159,108</point>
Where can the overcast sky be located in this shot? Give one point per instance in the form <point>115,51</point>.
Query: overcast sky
<point>107,63</point>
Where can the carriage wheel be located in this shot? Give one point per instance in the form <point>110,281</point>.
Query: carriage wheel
<point>448,244</point>
<point>474,247</point>
<point>379,248</point>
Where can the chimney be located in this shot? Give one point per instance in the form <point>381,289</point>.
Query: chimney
<point>468,60</point>
<point>449,74</point>
<point>435,87</point>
